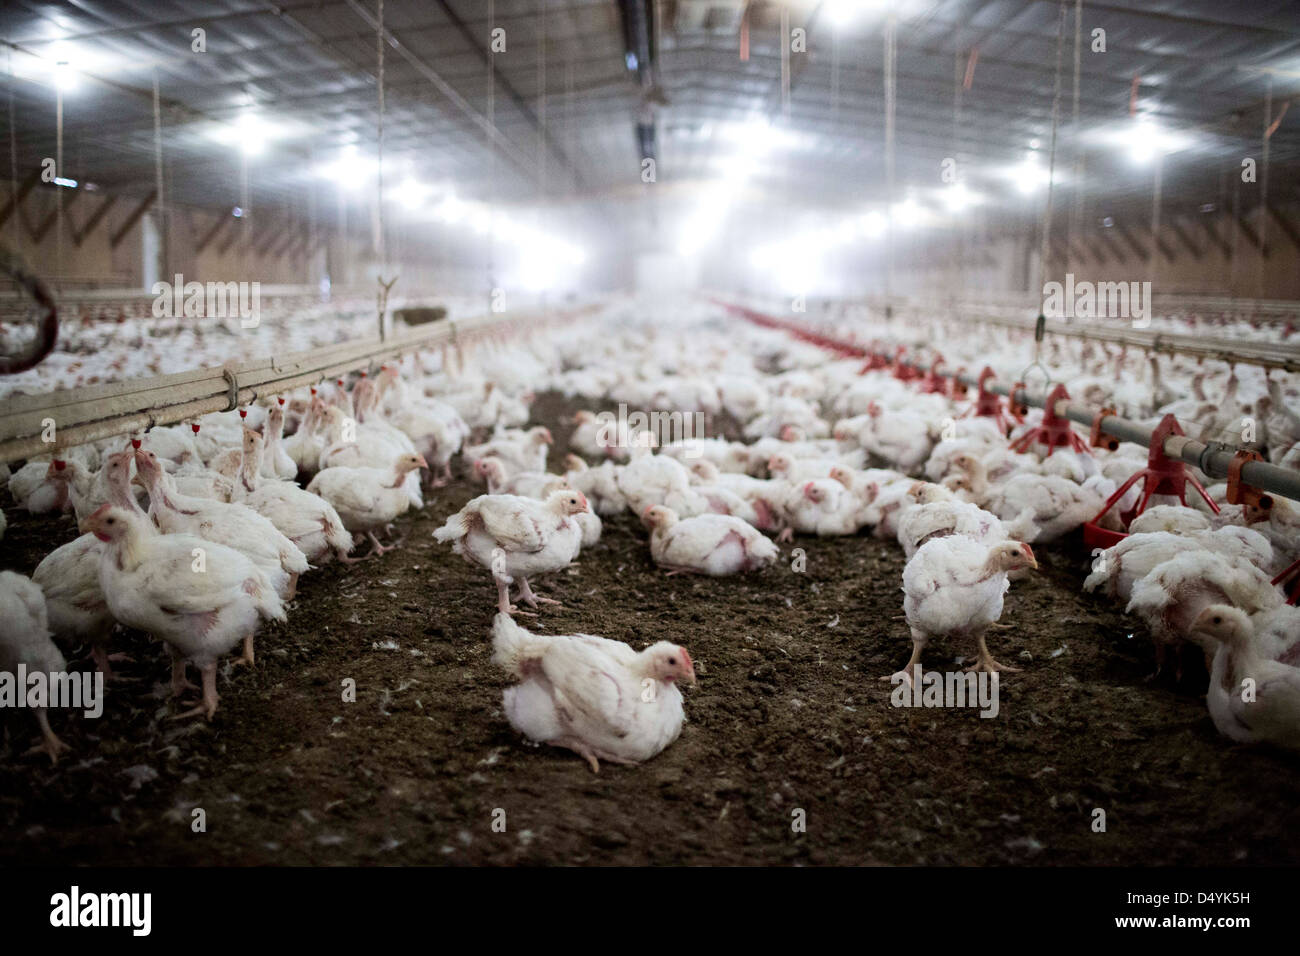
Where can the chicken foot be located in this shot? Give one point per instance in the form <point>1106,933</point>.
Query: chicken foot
<point>50,743</point>
<point>532,600</point>
<point>208,705</point>
<point>986,662</point>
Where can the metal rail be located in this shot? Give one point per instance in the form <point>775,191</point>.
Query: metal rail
<point>1213,459</point>
<point>1272,355</point>
<point>89,414</point>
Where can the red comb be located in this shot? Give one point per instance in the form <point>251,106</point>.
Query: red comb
<point>135,443</point>
<point>313,389</point>
<point>195,427</point>
<point>280,400</point>
<point>243,413</point>
<point>59,465</point>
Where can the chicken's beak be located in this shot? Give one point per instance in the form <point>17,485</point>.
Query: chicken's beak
<point>688,667</point>
<point>421,461</point>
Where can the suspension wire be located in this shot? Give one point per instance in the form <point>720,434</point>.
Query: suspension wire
<point>957,280</point>
<point>381,245</point>
<point>891,49</point>
<point>492,152</point>
<point>542,178</point>
<point>13,158</point>
<point>785,62</point>
<point>158,177</point>
<point>1263,188</point>
<point>1157,189</point>
<point>1045,241</point>
<point>58,190</point>
<point>1076,133</point>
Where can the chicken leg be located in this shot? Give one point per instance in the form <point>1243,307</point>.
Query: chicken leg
<point>180,683</point>
<point>208,705</point>
<point>503,596</point>
<point>378,549</point>
<point>986,662</point>
<point>918,645</point>
<point>532,600</point>
<point>247,658</point>
<point>50,743</point>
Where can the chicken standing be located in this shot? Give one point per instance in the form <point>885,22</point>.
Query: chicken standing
<point>515,537</point>
<point>201,597</point>
<point>25,639</point>
<point>954,587</point>
<point>368,499</point>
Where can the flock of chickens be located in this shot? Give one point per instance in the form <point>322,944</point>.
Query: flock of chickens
<point>199,534</point>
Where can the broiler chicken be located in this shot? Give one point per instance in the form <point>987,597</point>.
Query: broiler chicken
<point>1252,699</point>
<point>235,526</point>
<point>596,697</point>
<point>954,587</point>
<point>1171,597</point>
<point>25,639</point>
<point>308,520</point>
<point>525,451</point>
<point>712,544</point>
<point>368,499</point>
<point>151,582</point>
<point>514,537</point>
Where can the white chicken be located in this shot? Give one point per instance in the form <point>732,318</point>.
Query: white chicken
<point>516,537</point>
<point>599,484</point>
<point>308,520</point>
<point>1171,597</point>
<point>151,582</point>
<point>367,499</point>
<point>524,451</point>
<point>954,587</point>
<point>25,639</point>
<point>77,611</point>
<point>712,544</point>
<point>1252,699</point>
<point>235,526</point>
<point>596,697</point>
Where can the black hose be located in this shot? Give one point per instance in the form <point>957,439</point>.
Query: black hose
<point>47,329</point>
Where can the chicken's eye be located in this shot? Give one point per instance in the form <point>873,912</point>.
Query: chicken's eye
<point>1218,620</point>
<point>672,662</point>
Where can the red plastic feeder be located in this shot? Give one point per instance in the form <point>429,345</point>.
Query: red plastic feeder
<point>956,387</point>
<point>1054,432</point>
<point>875,360</point>
<point>1293,589</point>
<point>989,404</point>
<point>934,383</point>
<point>1162,476</point>
<point>902,371</point>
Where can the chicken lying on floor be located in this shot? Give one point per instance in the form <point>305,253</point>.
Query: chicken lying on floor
<point>596,697</point>
<point>954,587</point>
<point>715,545</point>
<point>515,537</point>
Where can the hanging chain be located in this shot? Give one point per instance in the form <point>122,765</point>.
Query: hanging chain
<point>1045,244</point>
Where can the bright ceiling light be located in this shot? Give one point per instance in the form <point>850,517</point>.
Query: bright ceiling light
<point>958,198</point>
<point>64,76</point>
<point>908,213</point>
<point>873,225</point>
<point>845,12</point>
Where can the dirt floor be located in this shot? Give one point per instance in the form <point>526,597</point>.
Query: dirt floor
<point>788,715</point>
